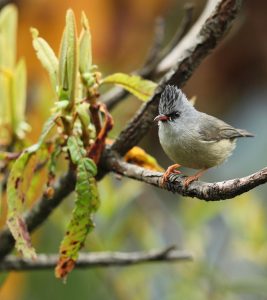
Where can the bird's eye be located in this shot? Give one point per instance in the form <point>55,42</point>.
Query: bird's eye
<point>174,115</point>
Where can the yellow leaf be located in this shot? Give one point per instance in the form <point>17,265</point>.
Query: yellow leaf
<point>141,88</point>
<point>139,157</point>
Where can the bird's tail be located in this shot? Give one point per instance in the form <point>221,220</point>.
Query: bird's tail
<point>244,133</point>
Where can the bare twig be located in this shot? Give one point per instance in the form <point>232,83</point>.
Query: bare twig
<point>179,48</point>
<point>204,191</point>
<point>180,33</point>
<point>94,110</point>
<point>112,97</point>
<point>200,42</point>
<point>155,56</point>
<point>156,46</point>
<point>96,149</point>
<point>116,94</point>
<point>97,259</point>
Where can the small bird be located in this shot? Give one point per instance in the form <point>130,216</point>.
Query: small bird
<point>191,138</point>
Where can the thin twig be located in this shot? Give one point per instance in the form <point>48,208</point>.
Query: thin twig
<point>155,56</point>
<point>116,94</point>
<point>180,33</point>
<point>200,42</point>
<point>96,149</point>
<point>159,32</point>
<point>94,110</point>
<point>97,259</point>
<point>204,191</point>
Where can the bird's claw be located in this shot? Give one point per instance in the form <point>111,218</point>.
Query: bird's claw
<point>188,180</point>
<point>171,170</point>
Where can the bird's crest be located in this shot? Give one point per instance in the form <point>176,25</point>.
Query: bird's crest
<point>171,100</point>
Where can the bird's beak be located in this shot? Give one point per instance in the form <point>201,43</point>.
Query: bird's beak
<point>161,117</point>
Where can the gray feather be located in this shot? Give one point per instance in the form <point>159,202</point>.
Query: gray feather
<point>213,129</point>
<point>171,100</point>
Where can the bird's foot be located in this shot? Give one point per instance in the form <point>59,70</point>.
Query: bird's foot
<point>188,180</point>
<point>171,170</point>
<point>193,178</point>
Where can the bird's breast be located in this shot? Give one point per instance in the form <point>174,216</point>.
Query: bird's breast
<point>188,150</point>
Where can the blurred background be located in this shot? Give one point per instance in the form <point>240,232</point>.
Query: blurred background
<point>228,238</point>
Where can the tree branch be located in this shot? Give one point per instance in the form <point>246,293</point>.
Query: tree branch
<point>159,33</point>
<point>96,259</point>
<point>204,191</point>
<point>155,56</point>
<point>178,48</point>
<point>116,94</point>
<point>178,36</point>
<point>200,42</point>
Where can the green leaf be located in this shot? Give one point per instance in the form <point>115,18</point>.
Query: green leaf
<point>75,146</point>
<point>85,47</point>
<point>19,92</point>
<point>16,200</point>
<point>18,101</point>
<point>72,54</point>
<point>46,56</point>
<point>5,101</point>
<point>59,105</point>
<point>47,127</point>
<point>8,32</point>
<point>82,111</point>
<point>18,186</point>
<point>68,61</point>
<point>12,79</point>
<point>13,87</point>
<point>53,160</point>
<point>86,203</point>
<point>141,88</point>
<point>62,75</point>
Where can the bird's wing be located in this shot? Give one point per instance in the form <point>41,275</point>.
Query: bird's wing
<point>213,129</point>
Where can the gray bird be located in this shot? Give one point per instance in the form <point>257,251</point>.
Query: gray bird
<point>191,138</point>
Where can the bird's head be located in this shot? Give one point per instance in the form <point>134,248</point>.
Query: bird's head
<point>173,104</point>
